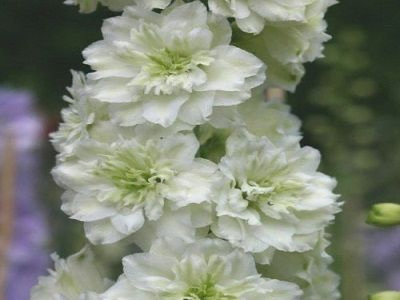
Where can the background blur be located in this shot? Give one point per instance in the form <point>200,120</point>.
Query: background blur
<point>349,103</point>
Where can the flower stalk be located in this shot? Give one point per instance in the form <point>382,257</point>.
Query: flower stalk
<point>170,145</point>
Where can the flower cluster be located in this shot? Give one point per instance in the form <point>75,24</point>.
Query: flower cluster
<point>169,144</point>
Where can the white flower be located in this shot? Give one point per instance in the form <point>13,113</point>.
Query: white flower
<point>76,278</point>
<point>286,46</point>
<point>207,269</point>
<point>174,65</point>
<point>88,6</point>
<point>114,188</point>
<point>270,118</point>
<point>309,270</point>
<point>251,15</point>
<point>87,119</point>
<point>79,118</point>
<point>274,197</point>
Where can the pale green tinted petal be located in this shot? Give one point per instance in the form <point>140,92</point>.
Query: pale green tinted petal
<point>198,108</point>
<point>292,10</point>
<point>230,70</point>
<point>129,223</point>
<point>221,29</point>
<point>191,15</point>
<point>84,208</point>
<point>127,114</point>
<point>182,147</point>
<point>253,23</point>
<point>149,272</point>
<point>221,7</point>
<point>163,109</point>
<point>102,232</point>
<point>124,290</point>
<point>77,277</point>
<point>240,8</point>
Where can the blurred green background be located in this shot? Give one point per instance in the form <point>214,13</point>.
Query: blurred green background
<point>349,103</point>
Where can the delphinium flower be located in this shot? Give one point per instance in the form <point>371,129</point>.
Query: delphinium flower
<point>252,15</point>
<point>174,65</point>
<point>79,119</point>
<point>76,278</point>
<point>270,118</point>
<point>88,119</point>
<point>117,187</point>
<point>206,269</point>
<point>88,6</point>
<point>137,144</point>
<point>285,46</point>
<point>309,270</point>
<point>274,197</point>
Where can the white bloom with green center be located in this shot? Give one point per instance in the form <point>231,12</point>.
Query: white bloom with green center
<point>88,6</point>
<point>75,278</point>
<point>274,198</point>
<point>176,65</point>
<point>209,269</point>
<point>251,15</point>
<point>79,118</point>
<point>309,270</point>
<point>116,188</point>
<point>286,46</point>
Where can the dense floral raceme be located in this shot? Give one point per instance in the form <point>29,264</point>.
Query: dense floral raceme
<point>169,144</point>
<point>206,269</point>
<point>174,65</point>
<point>76,278</point>
<point>273,197</point>
<point>116,188</point>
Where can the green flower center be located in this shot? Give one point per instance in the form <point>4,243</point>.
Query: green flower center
<point>270,192</point>
<point>162,68</point>
<point>132,172</point>
<point>206,291</point>
<point>167,63</point>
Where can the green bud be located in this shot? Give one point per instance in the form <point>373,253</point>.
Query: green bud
<point>384,214</point>
<point>389,295</point>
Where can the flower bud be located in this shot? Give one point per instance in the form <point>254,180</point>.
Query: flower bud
<point>384,214</point>
<point>388,295</point>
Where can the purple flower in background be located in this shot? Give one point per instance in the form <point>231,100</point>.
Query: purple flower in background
<point>23,226</point>
<point>383,255</point>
